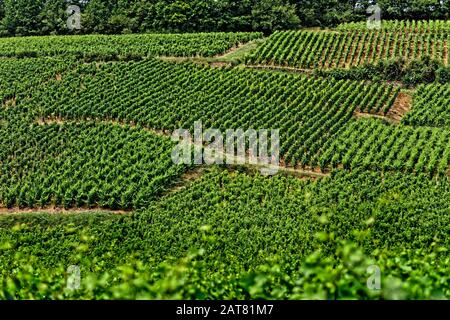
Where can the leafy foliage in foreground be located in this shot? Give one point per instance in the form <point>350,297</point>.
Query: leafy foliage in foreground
<point>343,276</point>
<point>285,238</point>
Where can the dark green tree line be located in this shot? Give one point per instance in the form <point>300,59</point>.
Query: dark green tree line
<point>43,17</point>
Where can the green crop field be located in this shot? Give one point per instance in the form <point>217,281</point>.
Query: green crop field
<point>332,49</point>
<point>431,107</point>
<point>138,45</point>
<point>88,178</point>
<point>408,26</point>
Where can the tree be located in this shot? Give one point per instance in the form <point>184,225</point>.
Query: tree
<point>270,15</point>
<point>327,13</point>
<point>96,16</point>
<point>32,17</point>
<point>22,17</point>
<point>53,17</point>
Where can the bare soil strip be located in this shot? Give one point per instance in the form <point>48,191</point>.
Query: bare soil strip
<point>446,53</point>
<point>10,102</point>
<point>279,68</point>
<point>198,60</point>
<point>234,56</point>
<point>62,121</point>
<point>185,180</point>
<point>402,105</point>
<point>359,114</point>
<point>234,50</point>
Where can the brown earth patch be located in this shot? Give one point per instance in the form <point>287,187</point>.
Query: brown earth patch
<point>200,61</point>
<point>279,68</point>
<point>44,121</point>
<point>402,105</point>
<point>61,121</point>
<point>219,64</point>
<point>10,102</point>
<point>445,53</point>
<point>186,179</point>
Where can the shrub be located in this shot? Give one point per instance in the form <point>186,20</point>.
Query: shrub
<point>443,75</point>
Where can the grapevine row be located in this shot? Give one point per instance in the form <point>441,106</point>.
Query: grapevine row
<point>431,106</point>
<point>309,112</point>
<point>203,44</point>
<point>372,145</point>
<point>327,49</point>
<point>83,165</point>
<point>406,26</point>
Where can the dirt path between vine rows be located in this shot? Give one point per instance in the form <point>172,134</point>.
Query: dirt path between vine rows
<point>359,114</point>
<point>62,211</point>
<point>183,182</point>
<point>235,49</point>
<point>297,171</point>
<point>279,68</point>
<point>402,105</point>
<point>234,56</point>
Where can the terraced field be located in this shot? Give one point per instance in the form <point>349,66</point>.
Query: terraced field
<point>402,26</point>
<point>128,45</point>
<point>87,177</point>
<point>308,111</point>
<point>431,107</point>
<point>343,49</point>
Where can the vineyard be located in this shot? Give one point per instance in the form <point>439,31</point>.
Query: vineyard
<point>309,112</point>
<point>289,218</point>
<point>402,26</point>
<point>372,145</point>
<point>135,45</point>
<point>18,76</point>
<point>431,107</point>
<point>314,115</point>
<point>84,165</point>
<point>332,49</point>
<point>87,176</point>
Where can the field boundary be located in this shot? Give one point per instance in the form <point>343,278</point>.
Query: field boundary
<point>279,68</point>
<point>401,106</point>
<point>313,172</point>
<point>61,211</point>
<point>359,114</point>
